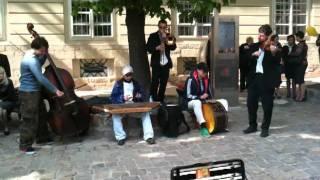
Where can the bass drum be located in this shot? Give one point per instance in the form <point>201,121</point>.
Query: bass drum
<point>216,117</point>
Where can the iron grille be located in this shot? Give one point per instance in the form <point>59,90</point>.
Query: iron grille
<point>93,68</point>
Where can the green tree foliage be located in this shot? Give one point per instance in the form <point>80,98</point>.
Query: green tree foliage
<point>153,7</point>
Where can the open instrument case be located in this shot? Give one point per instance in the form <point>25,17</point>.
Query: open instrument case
<point>220,170</point>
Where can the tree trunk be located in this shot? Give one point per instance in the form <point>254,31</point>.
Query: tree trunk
<point>135,22</point>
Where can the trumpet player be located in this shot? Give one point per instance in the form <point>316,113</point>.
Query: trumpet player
<point>159,45</point>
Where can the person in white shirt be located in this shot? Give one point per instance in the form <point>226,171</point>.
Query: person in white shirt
<point>262,80</point>
<point>197,91</point>
<point>127,90</point>
<point>159,46</point>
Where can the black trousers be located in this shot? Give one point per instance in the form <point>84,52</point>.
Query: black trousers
<point>243,77</point>
<point>159,81</point>
<point>258,91</point>
<point>34,119</point>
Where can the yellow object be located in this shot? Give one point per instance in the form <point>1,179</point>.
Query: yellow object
<point>202,172</point>
<point>311,31</point>
<point>209,116</point>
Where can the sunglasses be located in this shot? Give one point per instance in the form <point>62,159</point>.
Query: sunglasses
<point>162,27</point>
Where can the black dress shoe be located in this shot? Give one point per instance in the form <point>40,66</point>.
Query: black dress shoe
<point>47,141</point>
<point>151,141</point>
<point>264,133</point>
<point>121,142</point>
<point>6,132</point>
<point>288,95</point>
<point>28,151</point>
<point>250,130</point>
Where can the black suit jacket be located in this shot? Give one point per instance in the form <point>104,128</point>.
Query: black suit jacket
<point>244,55</point>
<point>318,41</point>
<point>270,65</point>
<point>153,42</point>
<point>5,64</point>
<point>285,54</point>
<point>7,93</point>
<point>208,52</point>
<point>301,52</point>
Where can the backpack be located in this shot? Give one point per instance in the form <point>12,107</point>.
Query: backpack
<point>170,119</point>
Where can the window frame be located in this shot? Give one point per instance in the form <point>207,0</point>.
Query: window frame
<point>3,14</point>
<point>91,36</point>
<point>194,24</point>
<point>290,23</point>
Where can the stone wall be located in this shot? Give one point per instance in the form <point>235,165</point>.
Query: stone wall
<point>51,19</point>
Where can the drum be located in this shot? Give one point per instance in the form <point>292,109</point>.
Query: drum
<point>216,117</point>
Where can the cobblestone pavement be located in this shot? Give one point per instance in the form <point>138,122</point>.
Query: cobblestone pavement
<point>291,152</point>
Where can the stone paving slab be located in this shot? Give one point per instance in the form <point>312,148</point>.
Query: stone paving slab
<point>291,152</point>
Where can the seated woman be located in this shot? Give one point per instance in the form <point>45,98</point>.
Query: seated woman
<point>7,96</point>
<point>196,91</point>
<point>127,90</point>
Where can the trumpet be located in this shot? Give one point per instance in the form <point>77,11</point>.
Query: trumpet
<point>169,37</point>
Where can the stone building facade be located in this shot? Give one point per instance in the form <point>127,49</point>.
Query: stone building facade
<point>94,48</point>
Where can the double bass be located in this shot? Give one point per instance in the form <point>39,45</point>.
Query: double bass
<point>69,115</point>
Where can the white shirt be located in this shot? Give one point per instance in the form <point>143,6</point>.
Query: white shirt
<point>259,67</point>
<point>290,49</point>
<point>201,85</point>
<point>128,89</point>
<point>163,59</point>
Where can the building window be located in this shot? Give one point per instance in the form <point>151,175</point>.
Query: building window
<point>185,65</point>
<point>2,19</point>
<point>290,16</point>
<point>87,23</point>
<point>93,68</point>
<point>192,27</point>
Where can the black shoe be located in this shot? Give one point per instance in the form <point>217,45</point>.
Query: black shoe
<point>28,150</point>
<point>121,142</point>
<point>47,141</point>
<point>151,141</point>
<point>6,132</point>
<point>264,133</point>
<point>304,99</point>
<point>250,130</point>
